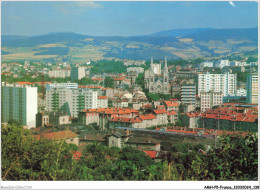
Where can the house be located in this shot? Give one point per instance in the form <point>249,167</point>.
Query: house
<point>105,114</point>
<point>118,138</point>
<point>124,122</point>
<point>172,116</point>
<point>161,115</point>
<point>88,117</point>
<point>68,136</point>
<point>191,120</point>
<point>171,105</point>
<point>102,102</point>
<point>143,143</point>
<point>148,120</point>
<point>94,138</point>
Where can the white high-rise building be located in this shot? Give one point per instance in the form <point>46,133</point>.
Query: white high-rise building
<point>79,72</point>
<point>210,99</point>
<point>252,89</point>
<point>59,73</point>
<point>61,85</point>
<point>222,63</point>
<point>70,100</point>
<point>205,64</point>
<point>225,83</point>
<point>19,102</point>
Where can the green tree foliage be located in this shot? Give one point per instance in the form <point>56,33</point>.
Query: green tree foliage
<point>26,158</point>
<point>153,97</point>
<point>106,66</point>
<point>109,82</point>
<point>178,96</point>
<point>251,59</point>
<point>242,76</point>
<point>140,80</point>
<point>85,81</point>
<point>165,96</point>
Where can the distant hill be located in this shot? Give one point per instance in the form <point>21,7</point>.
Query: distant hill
<point>224,34</point>
<point>5,38</point>
<point>180,32</point>
<point>177,43</point>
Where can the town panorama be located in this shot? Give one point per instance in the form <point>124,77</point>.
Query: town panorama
<point>174,105</point>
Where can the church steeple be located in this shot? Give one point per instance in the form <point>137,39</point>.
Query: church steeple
<point>151,60</point>
<point>165,66</point>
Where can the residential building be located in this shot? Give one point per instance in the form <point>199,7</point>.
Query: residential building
<point>105,114</point>
<point>143,143</point>
<point>118,139</point>
<point>172,116</point>
<point>124,122</point>
<point>53,119</point>
<point>70,100</point>
<point>68,136</point>
<point>161,115</point>
<point>59,73</point>
<point>59,118</point>
<point>222,63</point>
<point>135,69</point>
<point>175,89</point>
<point>78,72</point>
<point>252,88</point>
<point>61,85</point>
<point>171,105</point>
<point>134,62</point>
<point>42,119</point>
<point>205,64</point>
<point>225,83</point>
<point>241,92</point>
<point>231,117</point>
<point>191,120</point>
<point>148,120</point>
<point>210,99</point>
<point>88,117</point>
<point>19,102</point>
<point>188,93</point>
<point>102,102</point>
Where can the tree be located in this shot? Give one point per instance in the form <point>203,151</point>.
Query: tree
<point>178,96</point>
<point>27,158</point>
<point>85,81</point>
<point>109,82</point>
<point>153,97</point>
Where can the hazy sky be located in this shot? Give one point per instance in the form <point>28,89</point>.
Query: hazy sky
<point>123,18</point>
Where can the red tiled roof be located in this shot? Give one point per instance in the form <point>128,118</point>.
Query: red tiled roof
<point>120,78</point>
<point>181,131</point>
<point>171,104</point>
<point>102,97</point>
<point>126,120</point>
<point>97,79</point>
<point>23,83</point>
<point>151,154</point>
<point>193,114</point>
<point>77,155</point>
<point>59,135</point>
<point>113,110</point>
<point>147,116</point>
<point>159,111</point>
<point>171,112</point>
<point>44,82</point>
<point>89,86</point>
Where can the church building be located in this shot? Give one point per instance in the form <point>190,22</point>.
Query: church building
<point>157,80</point>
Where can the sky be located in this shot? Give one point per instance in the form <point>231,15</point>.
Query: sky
<point>123,18</point>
